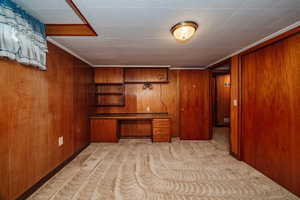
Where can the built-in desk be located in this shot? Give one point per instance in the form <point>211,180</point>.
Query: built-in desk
<point>105,127</point>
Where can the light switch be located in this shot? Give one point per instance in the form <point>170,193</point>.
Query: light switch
<point>235,102</point>
<point>60,141</point>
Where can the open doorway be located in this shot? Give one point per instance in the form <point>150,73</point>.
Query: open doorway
<point>220,83</point>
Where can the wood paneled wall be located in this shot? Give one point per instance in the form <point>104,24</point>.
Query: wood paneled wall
<point>222,99</point>
<point>271,111</point>
<point>161,98</point>
<point>36,108</point>
<point>234,107</point>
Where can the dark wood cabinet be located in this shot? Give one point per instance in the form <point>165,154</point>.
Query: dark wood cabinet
<point>148,75</point>
<point>111,127</point>
<point>110,89</point>
<point>109,75</point>
<point>104,130</point>
<point>161,130</point>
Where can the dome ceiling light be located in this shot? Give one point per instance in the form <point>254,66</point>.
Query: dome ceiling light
<point>184,31</point>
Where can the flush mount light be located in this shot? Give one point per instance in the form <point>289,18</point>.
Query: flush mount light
<point>184,31</point>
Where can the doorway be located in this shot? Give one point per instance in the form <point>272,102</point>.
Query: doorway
<point>195,113</point>
<point>220,90</point>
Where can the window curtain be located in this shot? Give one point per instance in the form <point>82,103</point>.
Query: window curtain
<point>22,37</point>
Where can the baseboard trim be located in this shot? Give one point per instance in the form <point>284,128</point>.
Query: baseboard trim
<point>236,156</point>
<point>41,182</point>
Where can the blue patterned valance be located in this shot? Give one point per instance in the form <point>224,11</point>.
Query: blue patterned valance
<point>22,37</point>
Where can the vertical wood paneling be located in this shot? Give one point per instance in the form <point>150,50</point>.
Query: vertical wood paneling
<point>291,55</point>
<point>5,119</point>
<point>234,109</point>
<point>83,103</point>
<point>222,99</point>
<point>213,99</point>
<point>270,111</point>
<point>28,132</point>
<point>37,108</point>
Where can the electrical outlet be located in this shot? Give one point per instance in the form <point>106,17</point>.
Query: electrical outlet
<point>60,141</point>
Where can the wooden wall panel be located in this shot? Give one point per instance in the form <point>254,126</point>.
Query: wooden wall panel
<point>195,105</point>
<point>5,118</point>
<point>60,97</point>
<point>213,99</point>
<point>270,111</point>
<point>222,99</point>
<point>37,108</point>
<point>83,103</point>
<point>162,98</point>
<point>291,55</point>
<point>234,108</point>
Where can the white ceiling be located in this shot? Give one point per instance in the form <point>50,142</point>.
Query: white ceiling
<point>136,32</point>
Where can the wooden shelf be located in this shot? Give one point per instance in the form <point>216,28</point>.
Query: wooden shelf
<point>143,82</point>
<point>110,95</point>
<point>97,84</point>
<point>109,105</point>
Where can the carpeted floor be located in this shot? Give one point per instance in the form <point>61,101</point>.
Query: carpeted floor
<point>139,169</point>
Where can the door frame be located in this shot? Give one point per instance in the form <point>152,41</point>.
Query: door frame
<point>214,104</point>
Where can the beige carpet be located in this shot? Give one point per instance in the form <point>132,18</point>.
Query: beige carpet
<point>139,169</point>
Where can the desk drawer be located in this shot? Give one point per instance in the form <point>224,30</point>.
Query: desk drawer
<point>161,130</point>
<point>161,123</point>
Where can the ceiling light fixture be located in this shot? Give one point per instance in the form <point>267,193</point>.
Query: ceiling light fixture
<point>184,31</point>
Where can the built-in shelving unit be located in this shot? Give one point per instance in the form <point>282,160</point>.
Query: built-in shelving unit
<point>110,88</point>
<point>110,94</point>
<point>110,82</point>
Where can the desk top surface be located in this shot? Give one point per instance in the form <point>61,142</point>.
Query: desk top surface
<point>135,116</point>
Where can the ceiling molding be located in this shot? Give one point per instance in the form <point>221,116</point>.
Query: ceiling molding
<point>135,66</point>
<point>269,37</point>
<point>188,68</point>
<point>69,51</point>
